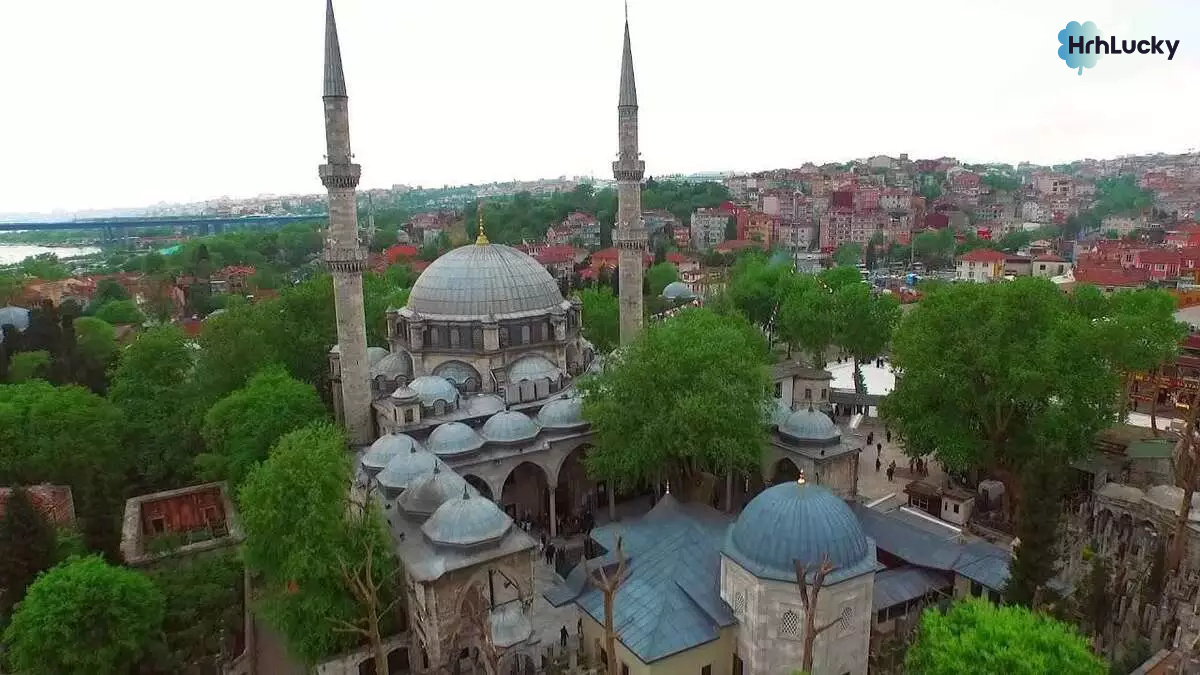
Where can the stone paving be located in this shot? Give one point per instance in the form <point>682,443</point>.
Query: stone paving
<point>548,621</point>
<point>874,484</point>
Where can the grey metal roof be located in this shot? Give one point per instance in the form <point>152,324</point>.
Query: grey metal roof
<point>375,354</point>
<point>453,439</point>
<point>482,281</point>
<point>901,584</point>
<point>533,367</point>
<point>17,317</point>
<point>426,494</point>
<point>810,426</point>
<point>431,389</point>
<point>385,448</point>
<point>392,364</point>
<point>425,561</point>
<point>405,468</point>
<point>483,404</point>
<point>677,290</point>
<point>563,413</point>
<point>469,521</point>
<point>794,521</point>
<point>670,601</point>
<point>511,623</point>
<point>509,426</point>
<point>628,86</point>
<point>335,79</point>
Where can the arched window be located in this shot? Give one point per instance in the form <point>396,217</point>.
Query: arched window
<point>789,624</point>
<point>439,407</point>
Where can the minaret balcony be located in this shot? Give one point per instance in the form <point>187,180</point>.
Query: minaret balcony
<point>629,169</point>
<point>345,258</point>
<point>340,176</point>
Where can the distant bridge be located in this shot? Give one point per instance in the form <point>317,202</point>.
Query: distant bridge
<point>116,228</point>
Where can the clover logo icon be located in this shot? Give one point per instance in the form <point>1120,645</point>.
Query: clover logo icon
<point>1077,35</point>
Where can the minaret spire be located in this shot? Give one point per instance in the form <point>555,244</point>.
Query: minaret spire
<point>630,232</point>
<point>343,252</point>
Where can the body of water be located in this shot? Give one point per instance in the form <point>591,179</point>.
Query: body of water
<point>15,253</point>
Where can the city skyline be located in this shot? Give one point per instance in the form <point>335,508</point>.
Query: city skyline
<point>119,108</point>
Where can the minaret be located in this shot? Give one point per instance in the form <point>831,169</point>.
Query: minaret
<point>343,254</point>
<point>630,237</point>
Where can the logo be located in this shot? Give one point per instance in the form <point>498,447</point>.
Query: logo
<point>1083,45</point>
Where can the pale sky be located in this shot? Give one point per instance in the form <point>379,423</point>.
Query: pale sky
<point>123,103</point>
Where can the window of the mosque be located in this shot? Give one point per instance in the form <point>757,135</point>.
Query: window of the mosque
<point>706,670</point>
<point>778,390</point>
<point>807,394</point>
<point>789,624</point>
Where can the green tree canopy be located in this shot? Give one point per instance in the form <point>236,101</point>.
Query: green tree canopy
<point>601,318</point>
<point>756,286</point>
<point>120,312</point>
<point>203,611</point>
<point>806,317</point>
<point>848,254</point>
<point>686,397</point>
<point>863,322</point>
<point>976,636</point>
<point>307,541</point>
<point>659,276</point>
<point>934,249</point>
<point>240,429</point>
<point>27,548</point>
<point>26,366</point>
<point>84,617</point>
<point>44,266</point>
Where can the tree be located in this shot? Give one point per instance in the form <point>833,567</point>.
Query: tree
<point>27,548</point>
<point>806,318</point>
<point>809,593</point>
<point>203,597</point>
<point>1035,558</point>
<point>44,266</point>
<point>996,376</point>
<point>1140,335</point>
<point>756,286</point>
<point>151,385</point>
<point>84,617</point>
<point>863,323</point>
<point>660,275</point>
<point>10,287</point>
<point>108,290</point>
<point>848,254</point>
<point>238,343</point>
<point>95,351</point>
<point>240,429</point>
<point>1098,599</point>
<point>120,312</point>
<point>608,587</point>
<point>26,366</point>
<point>934,248</point>
<point>601,318</point>
<point>687,397</point>
<point>975,636</point>
<point>324,559</point>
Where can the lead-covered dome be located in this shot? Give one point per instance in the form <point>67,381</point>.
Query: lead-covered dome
<point>810,426</point>
<point>533,367</point>
<point>563,413</point>
<point>385,449</point>
<point>404,469</point>
<point>677,290</point>
<point>509,426</point>
<point>431,389</point>
<point>452,439</point>
<point>17,317</point>
<point>424,496</point>
<point>482,280</point>
<point>469,520</point>
<point>799,521</point>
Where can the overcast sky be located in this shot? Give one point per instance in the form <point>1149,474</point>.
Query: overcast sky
<point>124,103</point>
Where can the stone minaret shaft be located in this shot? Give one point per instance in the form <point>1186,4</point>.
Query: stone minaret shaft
<point>343,254</point>
<point>630,237</point>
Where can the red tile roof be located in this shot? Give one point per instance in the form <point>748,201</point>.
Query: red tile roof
<point>1158,256</point>
<point>53,501</point>
<point>678,258</point>
<point>738,245</point>
<point>554,255</point>
<point>1100,276</point>
<point>1047,257</point>
<point>400,252</point>
<point>985,255</point>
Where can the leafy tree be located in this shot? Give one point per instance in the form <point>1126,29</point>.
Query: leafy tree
<point>976,636</point>
<point>240,429</point>
<point>685,398</point>
<point>836,278</point>
<point>756,286</point>
<point>154,263</point>
<point>11,285</point>
<point>27,548</point>
<point>1001,182</point>
<point>658,276</point>
<point>203,611</point>
<point>1098,600</point>
<point>1014,241</point>
<point>1139,334</point>
<point>95,351</point>
<point>120,312</point>
<point>324,560</point>
<point>806,318</point>
<point>934,248</point>
<point>1036,556</point>
<point>44,266</point>
<point>84,617</point>
<point>382,292</point>
<point>26,366</point>
<point>151,387</point>
<point>997,377</point>
<point>863,323</point>
<point>601,318</point>
<point>108,290</point>
<point>848,254</point>
<point>238,343</point>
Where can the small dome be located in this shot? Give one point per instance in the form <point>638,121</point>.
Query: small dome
<point>405,394</point>
<point>382,451</point>
<point>431,389</point>
<point>452,439</point>
<point>533,367</point>
<point>405,468</point>
<point>563,413</point>
<point>17,317</point>
<point>810,426</point>
<point>798,521</point>
<point>475,281</point>
<point>374,354</point>
<point>510,624</point>
<point>424,496</point>
<point>509,427</point>
<point>457,372</point>
<point>392,365</point>
<point>677,290</point>
<point>484,404</point>
<point>469,520</point>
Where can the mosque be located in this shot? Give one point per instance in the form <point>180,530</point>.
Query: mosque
<point>471,435</point>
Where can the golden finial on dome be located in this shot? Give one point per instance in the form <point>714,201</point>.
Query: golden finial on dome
<point>482,239</point>
<point>801,480</point>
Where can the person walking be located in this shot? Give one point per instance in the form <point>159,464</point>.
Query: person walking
<point>878,464</point>
<point>562,637</point>
<point>887,434</point>
<point>891,472</point>
<point>871,438</point>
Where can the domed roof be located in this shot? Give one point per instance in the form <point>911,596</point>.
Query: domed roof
<point>799,521</point>
<point>424,496</point>
<point>810,426</point>
<point>483,404</point>
<point>562,413</point>
<point>469,520</point>
<point>404,394</point>
<point>374,354</point>
<point>391,365</point>
<point>509,426</point>
<point>383,450</point>
<point>677,290</point>
<point>405,468</point>
<point>478,281</point>
<point>533,367</point>
<point>17,317</point>
<point>431,388</point>
<point>452,439</point>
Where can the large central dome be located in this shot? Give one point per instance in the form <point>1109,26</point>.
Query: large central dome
<point>478,280</point>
